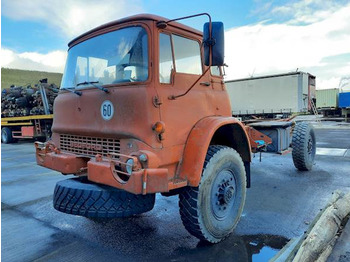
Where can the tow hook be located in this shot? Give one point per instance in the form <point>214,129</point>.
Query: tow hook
<point>47,147</point>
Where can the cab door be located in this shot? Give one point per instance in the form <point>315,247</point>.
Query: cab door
<point>180,66</point>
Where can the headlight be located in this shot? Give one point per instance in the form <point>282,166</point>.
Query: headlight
<point>129,165</point>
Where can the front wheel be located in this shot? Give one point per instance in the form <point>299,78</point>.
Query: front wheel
<point>212,210</point>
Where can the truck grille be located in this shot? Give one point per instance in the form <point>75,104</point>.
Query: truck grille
<point>89,146</point>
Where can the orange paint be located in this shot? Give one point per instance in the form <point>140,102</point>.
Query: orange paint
<point>167,138</point>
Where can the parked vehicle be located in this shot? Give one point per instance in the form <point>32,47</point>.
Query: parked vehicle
<point>344,100</point>
<point>271,95</point>
<point>333,102</point>
<point>344,104</point>
<point>149,113</point>
<point>26,112</point>
<point>327,102</point>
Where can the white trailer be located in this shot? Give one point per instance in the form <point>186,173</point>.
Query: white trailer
<point>272,94</point>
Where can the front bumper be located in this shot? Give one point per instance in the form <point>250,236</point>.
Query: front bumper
<point>106,171</point>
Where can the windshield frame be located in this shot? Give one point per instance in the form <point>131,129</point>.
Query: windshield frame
<point>103,31</point>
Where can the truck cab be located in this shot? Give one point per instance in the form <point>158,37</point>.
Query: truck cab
<point>134,125</point>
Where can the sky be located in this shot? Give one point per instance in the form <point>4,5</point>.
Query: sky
<point>261,37</point>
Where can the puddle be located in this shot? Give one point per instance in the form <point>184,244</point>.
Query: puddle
<point>330,151</point>
<point>263,247</point>
<point>236,248</point>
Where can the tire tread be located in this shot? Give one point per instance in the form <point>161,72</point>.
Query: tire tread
<point>299,138</point>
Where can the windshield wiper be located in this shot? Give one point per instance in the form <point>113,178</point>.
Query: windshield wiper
<point>93,83</point>
<point>73,91</point>
<point>87,82</point>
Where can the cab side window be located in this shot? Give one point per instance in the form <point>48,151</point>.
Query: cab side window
<point>187,55</point>
<point>215,71</point>
<point>165,59</point>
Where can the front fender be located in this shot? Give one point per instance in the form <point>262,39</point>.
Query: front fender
<point>226,131</point>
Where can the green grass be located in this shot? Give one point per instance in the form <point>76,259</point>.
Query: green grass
<point>24,77</point>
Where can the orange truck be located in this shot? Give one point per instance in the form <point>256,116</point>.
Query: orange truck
<point>143,109</point>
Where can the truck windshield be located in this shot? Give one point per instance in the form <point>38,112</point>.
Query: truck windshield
<point>116,57</point>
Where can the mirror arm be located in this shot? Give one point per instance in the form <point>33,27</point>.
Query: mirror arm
<point>163,24</point>
<point>191,16</point>
<point>223,68</point>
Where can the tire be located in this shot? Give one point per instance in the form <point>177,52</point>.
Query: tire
<point>78,196</point>
<point>304,146</point>
<point>212,210</point>
<point>6,135</point>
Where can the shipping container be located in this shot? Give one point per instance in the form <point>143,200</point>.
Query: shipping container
<point>344,100</point>
<point>273,94</point>
<point>327,98</point>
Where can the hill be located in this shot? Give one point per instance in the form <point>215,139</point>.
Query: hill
<point>25,77</point>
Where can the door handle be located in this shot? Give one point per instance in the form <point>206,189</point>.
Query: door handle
<point>204,83</point>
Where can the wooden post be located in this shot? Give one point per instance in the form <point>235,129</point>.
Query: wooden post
<point>317,243</point>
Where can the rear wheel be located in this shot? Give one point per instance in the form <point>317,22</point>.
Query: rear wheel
<point>304,146</point>
<point>78,196</point>
<point>212,210</point>
<point>6,135</point>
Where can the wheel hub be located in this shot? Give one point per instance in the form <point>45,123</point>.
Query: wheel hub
<point>223,195</point>
<point>228,194</point>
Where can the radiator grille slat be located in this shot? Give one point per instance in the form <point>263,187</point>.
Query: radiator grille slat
<point>89,146</point>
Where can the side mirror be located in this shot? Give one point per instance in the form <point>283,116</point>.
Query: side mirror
<point>216,42</point>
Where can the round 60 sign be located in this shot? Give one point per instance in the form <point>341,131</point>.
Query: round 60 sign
<point>107,110</point>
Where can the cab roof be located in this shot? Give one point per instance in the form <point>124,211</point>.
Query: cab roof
<point>139,17</point>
